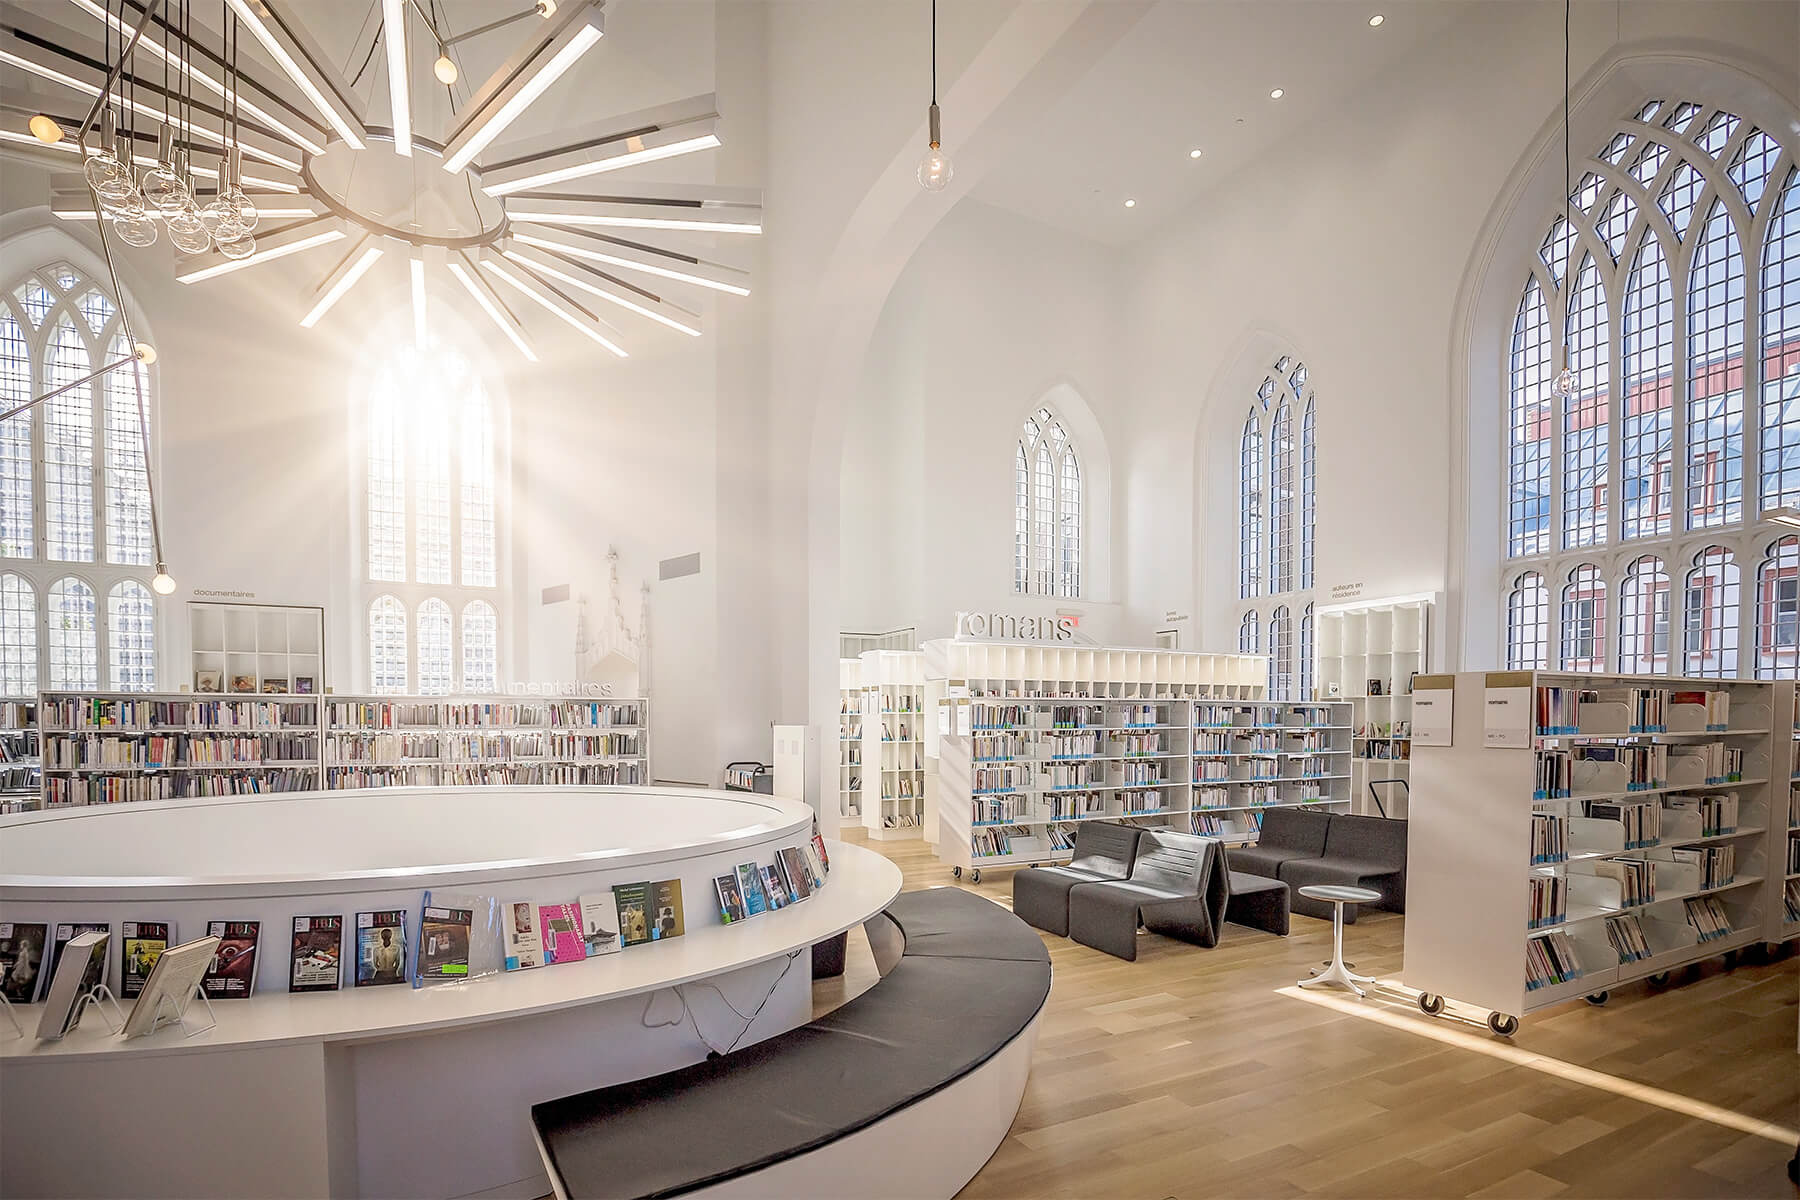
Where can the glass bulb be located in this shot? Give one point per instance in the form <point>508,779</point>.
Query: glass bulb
<point>46,130</point>
<point>164,583</point>
<point>242,246</point>
<point>108,176</point>
<point>1564,386</point>
<point>129,205</point>
<point>163,189</point>
<point>187,230</point>
<point>220,217</point>
<point>247,215</point>
<point>935,171</point>
<point>444,69</point>
<point>135,229</point>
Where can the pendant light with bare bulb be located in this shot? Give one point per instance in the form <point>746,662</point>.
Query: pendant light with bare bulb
<point>935,169</point>
<point>1563,386</point>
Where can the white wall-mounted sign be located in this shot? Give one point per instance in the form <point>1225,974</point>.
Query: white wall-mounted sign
<point>1346,591</point>
<point>1434,711</point>
<point>1010,627</point>
<point>1507,718</point>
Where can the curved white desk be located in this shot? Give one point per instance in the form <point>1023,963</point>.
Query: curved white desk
<point>394,1091</point>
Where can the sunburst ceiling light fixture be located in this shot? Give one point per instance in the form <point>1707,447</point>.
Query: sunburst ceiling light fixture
<point>469,208</point>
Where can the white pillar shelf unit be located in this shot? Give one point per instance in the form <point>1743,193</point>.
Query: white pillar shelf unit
<point>850,716</point>
<point>21,780</point>
<point>1035,739</point>
<point>257,647</point>
<point>893,743</point>
<point>1602,829</point>
<point>118,747</point>
<point>1784,909</point>
<point>1388,641</point>
<point>374,741</point>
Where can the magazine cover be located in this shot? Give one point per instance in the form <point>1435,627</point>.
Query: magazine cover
<point>21,959</point>
<point>815,868</point>
<point>665,908</point>
<point>750,883</point>
<point>524,948</point>
<point>633,900</point>
<point>316,954</point>
<point>444,942</point>
<point>560,927</point>
<point>793,875</point>
<point>380,948</point>
<point>731,900</point>
<point>232,975</point>
<point>818,843</point>
<point>61,936</point>
<point>774,889</point>
<point>141,943</point>
<point>798,873</point>
<point>600,924</point>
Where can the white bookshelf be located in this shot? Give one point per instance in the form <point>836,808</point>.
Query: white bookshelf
<point>850,712</point>
<point>118,747</point>
<point>21,781</point>
<point>1784,831</point>
<point>1472,876</point>
<point>271,646</point>
<point>1387,641</point>
<point>374,741</point>
<point>893,744</point>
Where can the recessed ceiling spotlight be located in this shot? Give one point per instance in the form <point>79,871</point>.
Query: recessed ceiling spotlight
<point>1131,204</point>
<point>1194,153</point>
<point>1376,20</point>
<point>1277,94</point>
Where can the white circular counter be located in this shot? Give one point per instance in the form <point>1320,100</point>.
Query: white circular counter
<point>313,1088</point>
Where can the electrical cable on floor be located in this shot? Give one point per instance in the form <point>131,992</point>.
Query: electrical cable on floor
<point>687,1012</point>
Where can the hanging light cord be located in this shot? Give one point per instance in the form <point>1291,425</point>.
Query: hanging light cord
<point>1568,169</point>
<point>934,51</point>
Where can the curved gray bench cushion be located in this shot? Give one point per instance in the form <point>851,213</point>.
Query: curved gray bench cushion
<point>934,1018</point>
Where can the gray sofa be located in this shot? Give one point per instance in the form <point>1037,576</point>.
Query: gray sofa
<point>1358,851</point>
<point>1103,851</point>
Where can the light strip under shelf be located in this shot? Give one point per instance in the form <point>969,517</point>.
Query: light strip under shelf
<point>548,298</point>
<point>181,62</point>
<point>521,80</point>
<point>393,24</point>
<point>579,277</point>
<point>505,179</point>
<point>192,268</point>
<point>293,56</point>
<point>343,277</point>
<point>482,292</point>
<point>633,257</point>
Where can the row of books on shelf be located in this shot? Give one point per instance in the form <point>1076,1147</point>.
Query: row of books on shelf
<point>888,732</point>
<point>900,820</point>
<point>902,787</point>
<point>1143,803</point>
<point>177,750</point>
<point>1790,900</point>
<point>432,714</point>
<point>1384,730</point>
<point>1635,881</point>
<point>1793,855</point>
<point>1550,960</point>
<point>17,715</point>
<point>1611,827</point>
<point>1709,918</point>
<point>1213,825</point>
<point>1385,751</point>
<point>68,713</point>
<point>1557,710</point>
<point>459,937</point>
<point>61,791</point>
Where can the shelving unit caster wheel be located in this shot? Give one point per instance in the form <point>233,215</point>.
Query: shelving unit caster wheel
<point>1599,998</point>
<point>1430,1005</point>
<point>975,875</point>
<point>1731,957</point>
<point>1660,979</point>
<point>1502,1024</point>
<point>956,872</point>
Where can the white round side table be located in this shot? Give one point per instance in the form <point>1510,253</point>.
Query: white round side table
<point>1336,972</point>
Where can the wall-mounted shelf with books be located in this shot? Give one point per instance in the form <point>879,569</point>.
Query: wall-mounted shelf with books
<point>21,784</point>
<point>1581,831</point>
<point>1372,643</point>
<point>850,748</point>
<point>892,744</point>
<point>119,747</point>
<point>256,648</point>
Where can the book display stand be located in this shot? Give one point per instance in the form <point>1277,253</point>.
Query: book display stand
<point>11,1017</point>
<point>95,998</point>
<point>168,1013</point>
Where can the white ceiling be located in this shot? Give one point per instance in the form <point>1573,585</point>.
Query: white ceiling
<point>1197,74</point>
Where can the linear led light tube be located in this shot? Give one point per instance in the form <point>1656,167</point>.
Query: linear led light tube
<point>484,295</point>
<point>393,21</point>
<point>519,82</point>
<point>180,62</point>
<point>536,289</point>
<point>52,75</point>
<point>416,264</point>
<point>706,217</point>
<point>292,57</point>
<point>280,244</point>
<point>503,179</point>
<point>69,146</point>
<point>343,277</point>
<point>601,291</point>
<point>650,261</point>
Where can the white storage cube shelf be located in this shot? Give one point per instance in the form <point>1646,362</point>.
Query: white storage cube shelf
<point>1048,737</point>
<point>850,712</point>
<point>269,645</point>
<point>1387,641</point>
<point>892,743</point>
<point>1474,872</point>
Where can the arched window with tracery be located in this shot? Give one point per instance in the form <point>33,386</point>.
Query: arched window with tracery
<point>1048,509</point>
<point>1679,448</point>
<point>1277,510</point>
<point>74,492</point>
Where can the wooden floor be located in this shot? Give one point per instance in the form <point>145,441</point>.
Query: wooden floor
<point>1197,1072</point>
